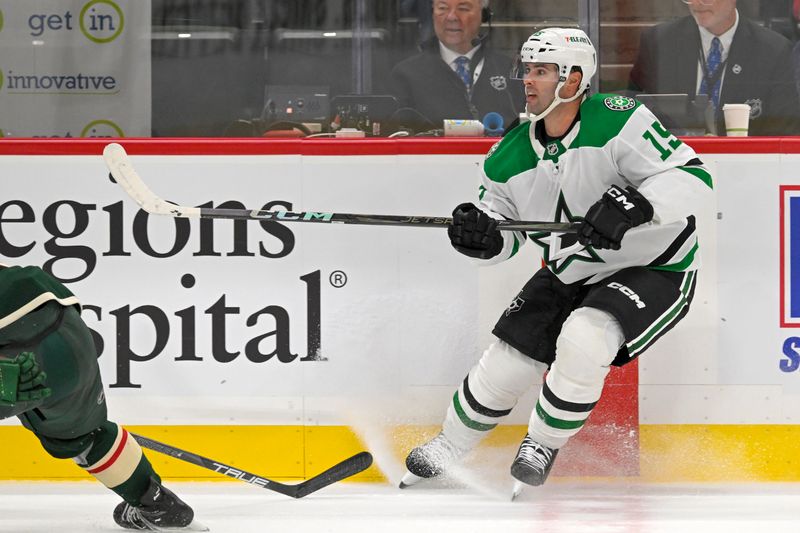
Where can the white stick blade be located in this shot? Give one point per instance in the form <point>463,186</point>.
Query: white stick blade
<point>125,175</point>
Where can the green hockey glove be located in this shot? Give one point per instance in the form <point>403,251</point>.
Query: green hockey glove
<point>21,380</point>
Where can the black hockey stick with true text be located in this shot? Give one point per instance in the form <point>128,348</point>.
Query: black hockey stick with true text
<point>349,467</point>
<point>123,173</point>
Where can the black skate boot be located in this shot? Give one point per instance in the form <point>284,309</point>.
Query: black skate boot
<point>160,510</point>
<point>430,460</point>
<point>532,464</point>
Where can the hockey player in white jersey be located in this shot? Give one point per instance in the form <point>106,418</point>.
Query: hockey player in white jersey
<point>605,294</point>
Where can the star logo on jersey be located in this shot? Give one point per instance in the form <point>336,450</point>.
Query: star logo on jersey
<point>619,103</point>
<point>559,250</point>
<point>492,150</point>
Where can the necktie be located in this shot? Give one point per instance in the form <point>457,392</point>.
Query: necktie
<point>712,65</point>
<point>462,69</point>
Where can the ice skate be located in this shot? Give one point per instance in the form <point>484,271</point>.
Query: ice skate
<point>430,460</point>
<point>160,510</point>
<point>532,464</point>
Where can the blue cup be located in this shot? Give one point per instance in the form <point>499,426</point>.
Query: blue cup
<point>493,124</point>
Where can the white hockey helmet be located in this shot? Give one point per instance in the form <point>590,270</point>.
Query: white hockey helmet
<point>567,48</point>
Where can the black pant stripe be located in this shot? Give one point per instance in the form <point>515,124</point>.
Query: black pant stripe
<point>477,407</point>
<point>564,405</point>
<point>676,245</point>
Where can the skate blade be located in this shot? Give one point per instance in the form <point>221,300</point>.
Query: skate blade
<point>196,526</point>
<point>409,479</point>
<point>517,490</point>
<point>193,526</point>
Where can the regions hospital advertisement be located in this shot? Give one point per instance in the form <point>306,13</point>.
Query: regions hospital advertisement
<point>225,322</point>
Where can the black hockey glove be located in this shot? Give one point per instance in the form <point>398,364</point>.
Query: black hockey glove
<point>474,233</point>
<point>614,214</point>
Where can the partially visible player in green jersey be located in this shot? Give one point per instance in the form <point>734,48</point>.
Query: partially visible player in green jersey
<point>605,294</point>
<point>50,380</point>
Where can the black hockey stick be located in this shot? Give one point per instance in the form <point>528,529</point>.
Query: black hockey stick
<point>123,173</point>
<point>351,466</point>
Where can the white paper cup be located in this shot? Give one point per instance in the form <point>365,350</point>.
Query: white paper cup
<point>463,128</point>
<point>737,119</point>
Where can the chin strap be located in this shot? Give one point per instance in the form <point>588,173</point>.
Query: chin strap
<point>556,101</point>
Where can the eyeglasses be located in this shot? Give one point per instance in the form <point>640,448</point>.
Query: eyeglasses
<point>701,2</point>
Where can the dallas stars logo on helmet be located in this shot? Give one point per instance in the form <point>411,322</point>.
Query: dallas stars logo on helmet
<point>619,103</point>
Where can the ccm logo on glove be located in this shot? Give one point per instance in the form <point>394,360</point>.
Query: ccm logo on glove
<point>616,192</point>
<point>610,217</point>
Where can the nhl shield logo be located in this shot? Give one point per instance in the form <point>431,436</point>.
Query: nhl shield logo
<point>552,148</point>
<point>756,107</point>
<point>515,306</point>
<point>498,82</point>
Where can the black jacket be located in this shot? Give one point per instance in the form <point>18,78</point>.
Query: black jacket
<point>427,84</point>
<point>758,72</point>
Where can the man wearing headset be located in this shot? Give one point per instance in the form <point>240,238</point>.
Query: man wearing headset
<point>604,295</point>
<point>457,75</point>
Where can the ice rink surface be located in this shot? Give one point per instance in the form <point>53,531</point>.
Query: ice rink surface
<point>562,506</point>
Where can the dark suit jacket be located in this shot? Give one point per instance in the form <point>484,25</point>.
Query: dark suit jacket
<point>426,83</point>
<point>758,72</point>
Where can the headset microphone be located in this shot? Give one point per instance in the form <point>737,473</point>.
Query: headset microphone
<point>486,18</point>
<point>480,39</point>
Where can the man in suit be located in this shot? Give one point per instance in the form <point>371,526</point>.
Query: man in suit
<point>716,52</point>
<point>456,75</point>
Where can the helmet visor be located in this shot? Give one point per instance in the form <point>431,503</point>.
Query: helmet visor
<point>538,72</point>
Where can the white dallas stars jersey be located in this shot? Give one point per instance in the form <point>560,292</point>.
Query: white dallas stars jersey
<point>617,141</point>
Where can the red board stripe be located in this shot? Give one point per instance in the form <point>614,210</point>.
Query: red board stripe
<point>312,147</point>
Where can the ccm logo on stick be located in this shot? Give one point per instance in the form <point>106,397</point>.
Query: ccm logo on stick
<point>629,293</point>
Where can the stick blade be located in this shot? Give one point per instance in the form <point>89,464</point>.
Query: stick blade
<point>121,168</point>
<point>349,467</point>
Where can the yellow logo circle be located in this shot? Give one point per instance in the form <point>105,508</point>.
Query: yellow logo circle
<point>98,22</point>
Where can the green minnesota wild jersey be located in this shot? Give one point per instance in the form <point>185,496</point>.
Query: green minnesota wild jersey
<point>23,289</point>
<point>615,141</point>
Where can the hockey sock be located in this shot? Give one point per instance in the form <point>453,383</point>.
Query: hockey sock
<point>588,343</point>
<point>488,393</point>
<point>116,460</point>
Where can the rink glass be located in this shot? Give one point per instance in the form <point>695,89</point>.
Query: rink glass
<point>211,60</point>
